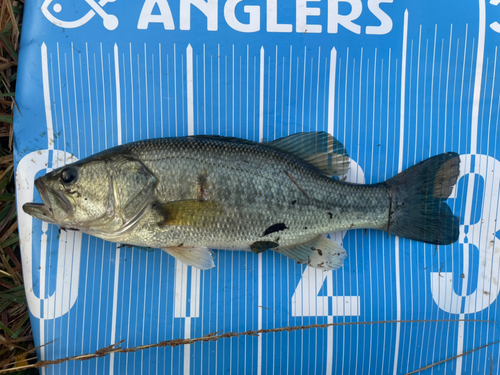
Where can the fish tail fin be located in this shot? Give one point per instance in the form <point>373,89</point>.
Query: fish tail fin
<point>418,210</point>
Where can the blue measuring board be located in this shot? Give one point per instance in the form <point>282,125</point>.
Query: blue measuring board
<point>395,81</point>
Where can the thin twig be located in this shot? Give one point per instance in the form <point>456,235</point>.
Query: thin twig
<point>20,356</point>
<point>9,231</point>
<point>12,17</point>
<point>451,358</point>
<point>12,273</point>
<point>22,360</point>
<point>20,339</point>
<point>216,336</point>
<point>7,159</point>
<point>296,184</point>
<point>8,217</point>
<point>5,273</point>
<point>6,171</point>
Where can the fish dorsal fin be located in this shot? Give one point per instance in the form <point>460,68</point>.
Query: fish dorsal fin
<point>196,213</point>
<point>198,257</point>
<point>329,163</point>
<point>320,149</point>
<point>320,253</point>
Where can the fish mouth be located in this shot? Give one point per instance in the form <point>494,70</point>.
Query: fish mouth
<point>55,207</point>
<point>39,211</point>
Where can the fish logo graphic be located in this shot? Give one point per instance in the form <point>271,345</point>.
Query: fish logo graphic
<point>50,7</point>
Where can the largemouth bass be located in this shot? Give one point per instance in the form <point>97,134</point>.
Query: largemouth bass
<point>192,194</point>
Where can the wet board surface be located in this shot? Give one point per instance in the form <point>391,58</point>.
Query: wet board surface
<point>395,82</point>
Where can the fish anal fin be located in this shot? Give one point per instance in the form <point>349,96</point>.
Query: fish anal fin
<point>320,253</point>
<point>198,257</point>
<point>193,212</point>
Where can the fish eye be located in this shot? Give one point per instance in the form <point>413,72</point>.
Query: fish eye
<point>69,175</point>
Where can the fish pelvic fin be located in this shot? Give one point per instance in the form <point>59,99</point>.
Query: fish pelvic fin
<point>418,210</point>
<point>261,246</point>
<point>198,257</point>
<point>320,253</point>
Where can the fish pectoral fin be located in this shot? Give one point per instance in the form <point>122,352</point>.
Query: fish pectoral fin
<point>198,257</point>
<point>320,253</point>
<point>192,212</point>
<point>320,149</point>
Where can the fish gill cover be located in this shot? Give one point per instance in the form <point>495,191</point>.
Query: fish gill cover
<point>395,82</point>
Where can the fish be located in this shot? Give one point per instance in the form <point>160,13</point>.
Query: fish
<point>190,195</point>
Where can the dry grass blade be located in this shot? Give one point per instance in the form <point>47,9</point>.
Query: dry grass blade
<point>21,358</point>
<point>219,335</point>
<point>6,160</point>
<point>16,340</point>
